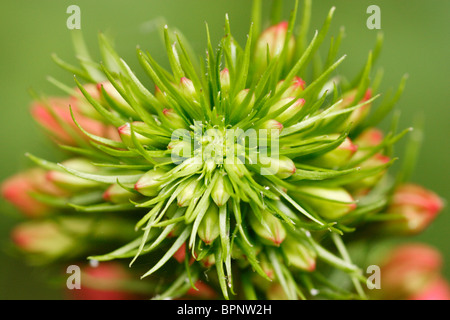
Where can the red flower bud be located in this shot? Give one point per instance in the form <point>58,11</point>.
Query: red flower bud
<point>407,270</point>
<point>41,237</point>
<point>17,188</point>
<point>107,281</point>
<point>439,289</point>
<point>57,121</point>
<point>418,206</point>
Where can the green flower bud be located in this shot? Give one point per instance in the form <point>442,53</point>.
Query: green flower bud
<point>116,194</point>
<point>125,134</point>
<point>174,118</point>
<point>188,89</point>
<point>290,112</point>
<point>337,157</point>
<point>270,125</point>
<point>208,229</point>
<point>283,167</point>
<point>225,81</point>
<point>186,195</point>
<point>330,203</point>
<point>208,261</point>
<point>161,96</point>
<point>219,193</point>
<point>270,229</point>
<point>112,93</point>
<point>297,86</point>
<point>271,41</point>
<point>70,182</point>
<point>149,184</point>
<point>299,255</point>
<point>369,182</point>
<point>358,115</point>
<point>43,238</point>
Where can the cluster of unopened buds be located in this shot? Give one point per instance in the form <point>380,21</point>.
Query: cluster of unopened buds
<point>236,179</point>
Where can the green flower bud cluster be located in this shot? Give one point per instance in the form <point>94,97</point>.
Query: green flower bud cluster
<point>246,166</point>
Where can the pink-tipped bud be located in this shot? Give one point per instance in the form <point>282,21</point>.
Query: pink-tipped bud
<point>176,121</point>
<point>290,112</point>
<point>112,92</point>
<point>161,96</point>
<point>56,119</point>
<point>270,125</point>
<point>219,193</point>
<point>18,188</point>
<point>125,134</point>
<point>267,266</point>
<point>329,202</point>
<point>188,89</point>
<point>49,121</point>
<point>149,184</point>
<point>107,281</point>
<point>116,194</point>
<point>297,86</point>
<point>208,261</point>
<point>369,182</point>
<point>408,269</point>
<point>225,80</point>
<point>68,181</point>
<point>281,166</point>
<point>271,42</point>
<point>357,115</point>
<point>208,229</point>
<point>337,157</point>
<point>299,255</point>
<point>43,238</point>
<point>369,138</point>
<point>418,207</point>
<point>188,192</point>
<point>270,229</point>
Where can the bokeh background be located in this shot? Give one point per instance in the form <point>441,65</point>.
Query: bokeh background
<point>416,42</point>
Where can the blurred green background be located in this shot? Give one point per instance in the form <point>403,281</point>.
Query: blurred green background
<point>416,42</point>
